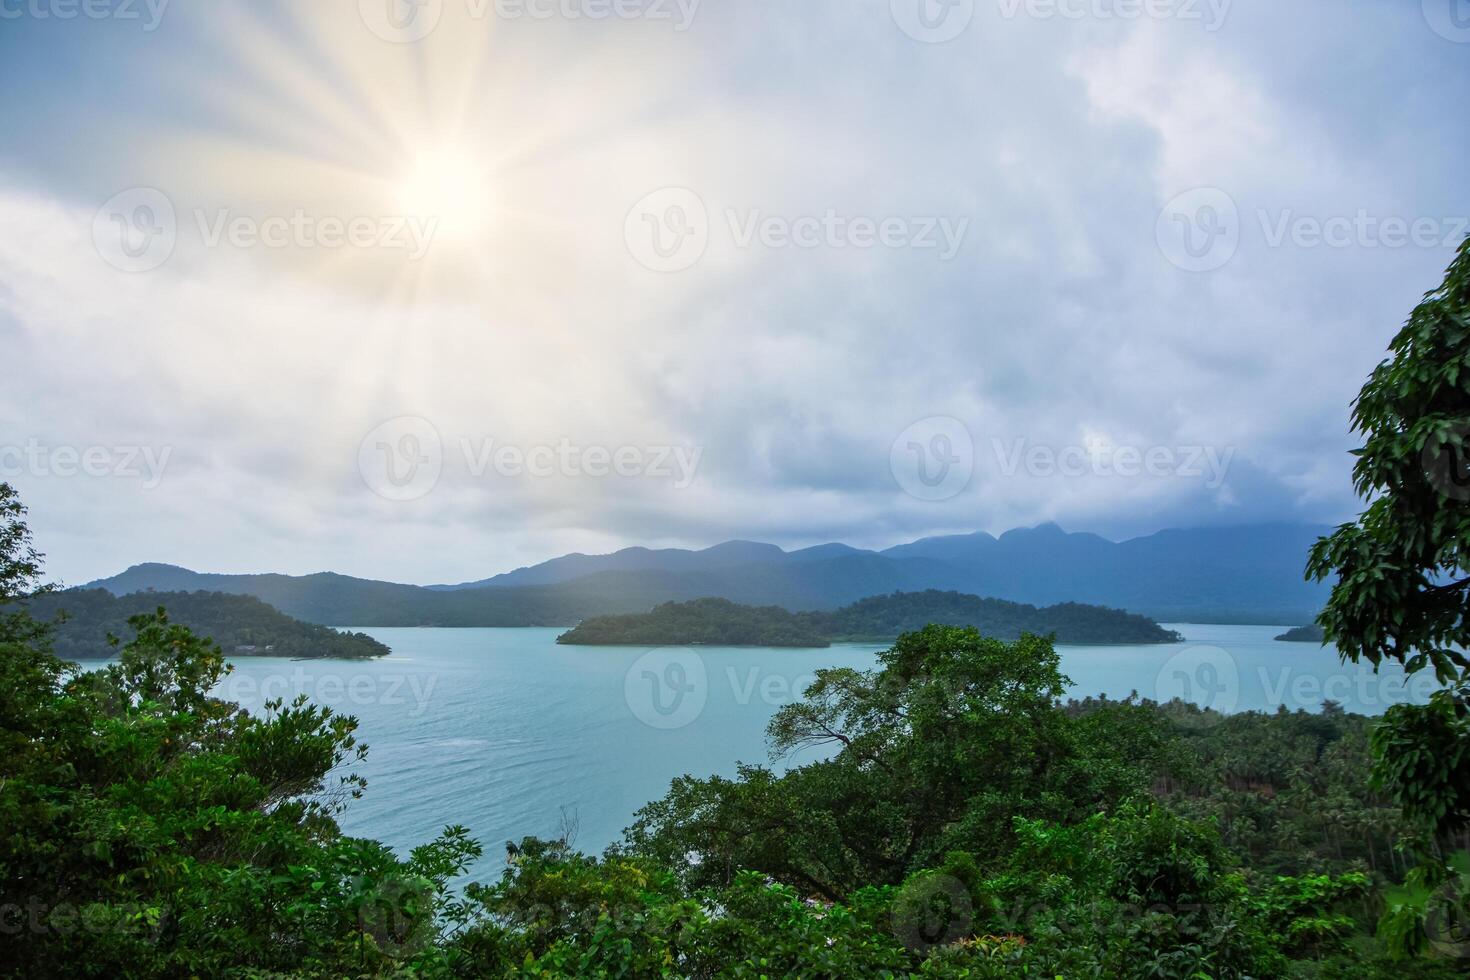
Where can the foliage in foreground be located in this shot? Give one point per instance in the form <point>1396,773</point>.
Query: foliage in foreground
<point>966,824</point>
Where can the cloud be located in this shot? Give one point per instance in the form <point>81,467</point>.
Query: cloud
<point>790,355</point>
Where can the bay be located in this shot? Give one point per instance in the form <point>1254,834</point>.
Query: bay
<point>504,731</point>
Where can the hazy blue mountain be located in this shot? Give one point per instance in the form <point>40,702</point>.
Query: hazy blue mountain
<point>1242,574</point>
<point>576,565</point>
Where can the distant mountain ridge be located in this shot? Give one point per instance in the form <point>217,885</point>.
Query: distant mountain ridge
<point>1248,573</point>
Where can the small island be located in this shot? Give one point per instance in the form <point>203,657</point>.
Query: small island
<point>720,622</point>
<point>1304,634</point>
<point>700,622</point>
<point>242,625</point>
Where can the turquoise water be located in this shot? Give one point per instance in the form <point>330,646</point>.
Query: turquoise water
<point>500,729</point>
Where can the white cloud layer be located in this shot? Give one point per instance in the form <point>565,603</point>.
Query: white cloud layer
<point>759,391</point>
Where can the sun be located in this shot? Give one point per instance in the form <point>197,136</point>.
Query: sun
<point>452,188</point>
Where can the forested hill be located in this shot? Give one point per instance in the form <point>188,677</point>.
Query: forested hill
<point>720,622</point>
<point>242,625</point>
<point>884,617</point>
<point>707,622</point>
<point>1311,633</point>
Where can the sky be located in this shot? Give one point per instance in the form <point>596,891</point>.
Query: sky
<point>428,291</point>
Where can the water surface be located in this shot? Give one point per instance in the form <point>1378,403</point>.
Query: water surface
<point>500,729</point>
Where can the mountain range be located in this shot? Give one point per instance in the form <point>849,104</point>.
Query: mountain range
<point>1242,574</point>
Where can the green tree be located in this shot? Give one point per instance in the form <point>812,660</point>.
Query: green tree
<point>148,828</point>
<point>1403,588</point>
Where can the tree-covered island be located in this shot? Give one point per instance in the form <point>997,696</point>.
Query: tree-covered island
<point>1311,633</point>
<point>720,622</point>
<point>242,625</point>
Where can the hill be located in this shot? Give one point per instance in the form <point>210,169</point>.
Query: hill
<point>1304,634</point>
<point>1249,574</point>
<point>242,625</point>
<point>701,622</point>
<point>886,617</point>
<point>720,622</point>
